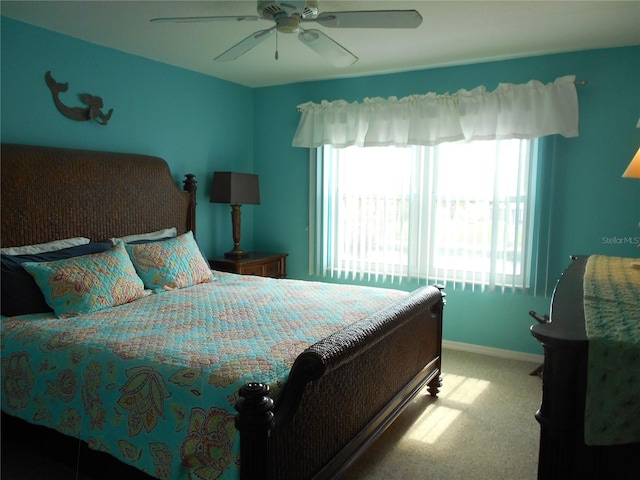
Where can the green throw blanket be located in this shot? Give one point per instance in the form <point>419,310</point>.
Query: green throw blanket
<point>612,321</point>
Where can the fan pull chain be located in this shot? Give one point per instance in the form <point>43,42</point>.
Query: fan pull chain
<point>277,44</point>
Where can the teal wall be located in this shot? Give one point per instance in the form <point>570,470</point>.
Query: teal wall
<point>197,123</point>
<point>200,124</point>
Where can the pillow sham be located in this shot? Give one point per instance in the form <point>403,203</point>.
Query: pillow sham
<point>157,235</point>
<point>88,283</point>
<point>45,247</point>
<point>135,242</point>
<point>20,292</point>
<point>170,264</point>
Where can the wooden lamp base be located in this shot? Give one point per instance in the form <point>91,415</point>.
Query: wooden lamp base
<point>237,252</point>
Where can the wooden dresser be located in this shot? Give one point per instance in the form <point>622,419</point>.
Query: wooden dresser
<point>563,453</point>
<point>256,263</point>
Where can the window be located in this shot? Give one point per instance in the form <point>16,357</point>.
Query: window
<point>460,212</point>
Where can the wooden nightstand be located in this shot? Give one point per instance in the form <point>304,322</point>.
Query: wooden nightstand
<point>256,263</point>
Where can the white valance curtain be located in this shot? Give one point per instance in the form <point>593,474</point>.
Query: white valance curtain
<point>519,111</point>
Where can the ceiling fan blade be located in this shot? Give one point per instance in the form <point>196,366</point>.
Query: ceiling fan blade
<point>370,19</point>
<point>245,45</point>
<point>327,48</point>
<point>248,18</point>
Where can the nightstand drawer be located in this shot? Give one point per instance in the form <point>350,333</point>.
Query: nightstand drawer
<point>274,269</point>
<point>256,263</point>
<point>259,270</point>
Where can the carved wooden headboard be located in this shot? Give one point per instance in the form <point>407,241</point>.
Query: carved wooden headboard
<point>53,193</point>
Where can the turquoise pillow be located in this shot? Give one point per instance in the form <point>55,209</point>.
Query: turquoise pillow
<point>170,264</point>
<point>87,283</point>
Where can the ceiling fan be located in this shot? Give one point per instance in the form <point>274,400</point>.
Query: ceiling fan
<point>288,16</point>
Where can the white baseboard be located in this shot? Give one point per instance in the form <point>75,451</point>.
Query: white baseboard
<point>493,352</point>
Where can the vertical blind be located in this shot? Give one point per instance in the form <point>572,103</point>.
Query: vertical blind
<point>458,212</point>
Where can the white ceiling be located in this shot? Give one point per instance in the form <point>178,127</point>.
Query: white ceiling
<point>452,33</point>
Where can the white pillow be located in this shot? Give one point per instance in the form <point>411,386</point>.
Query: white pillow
<point>157,235</point>
<point>45,247</point>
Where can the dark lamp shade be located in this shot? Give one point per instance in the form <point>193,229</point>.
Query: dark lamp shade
<point>235,188</point>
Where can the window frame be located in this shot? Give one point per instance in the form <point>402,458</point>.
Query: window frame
<point>319,253</point>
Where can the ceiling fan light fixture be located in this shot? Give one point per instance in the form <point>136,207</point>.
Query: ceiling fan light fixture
<point>288,24</point>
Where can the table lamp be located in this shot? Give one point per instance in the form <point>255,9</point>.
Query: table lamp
<point>236,189</point>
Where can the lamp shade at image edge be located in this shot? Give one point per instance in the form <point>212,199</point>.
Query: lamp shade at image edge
<point>633,170</point>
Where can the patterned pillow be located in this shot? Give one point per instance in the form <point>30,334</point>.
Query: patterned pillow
<point>20,292</point>
<point>170,264</point>
<point>157,235</point>
<point>88,283</point>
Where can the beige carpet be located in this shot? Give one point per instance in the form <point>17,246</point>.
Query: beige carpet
<point>481,426</point>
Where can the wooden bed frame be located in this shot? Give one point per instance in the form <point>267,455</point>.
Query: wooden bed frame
<point>342,392</point>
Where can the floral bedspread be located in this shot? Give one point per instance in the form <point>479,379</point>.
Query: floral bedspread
<point>154,382</point>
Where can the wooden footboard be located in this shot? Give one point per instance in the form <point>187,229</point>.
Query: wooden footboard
<point>343,392</point>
